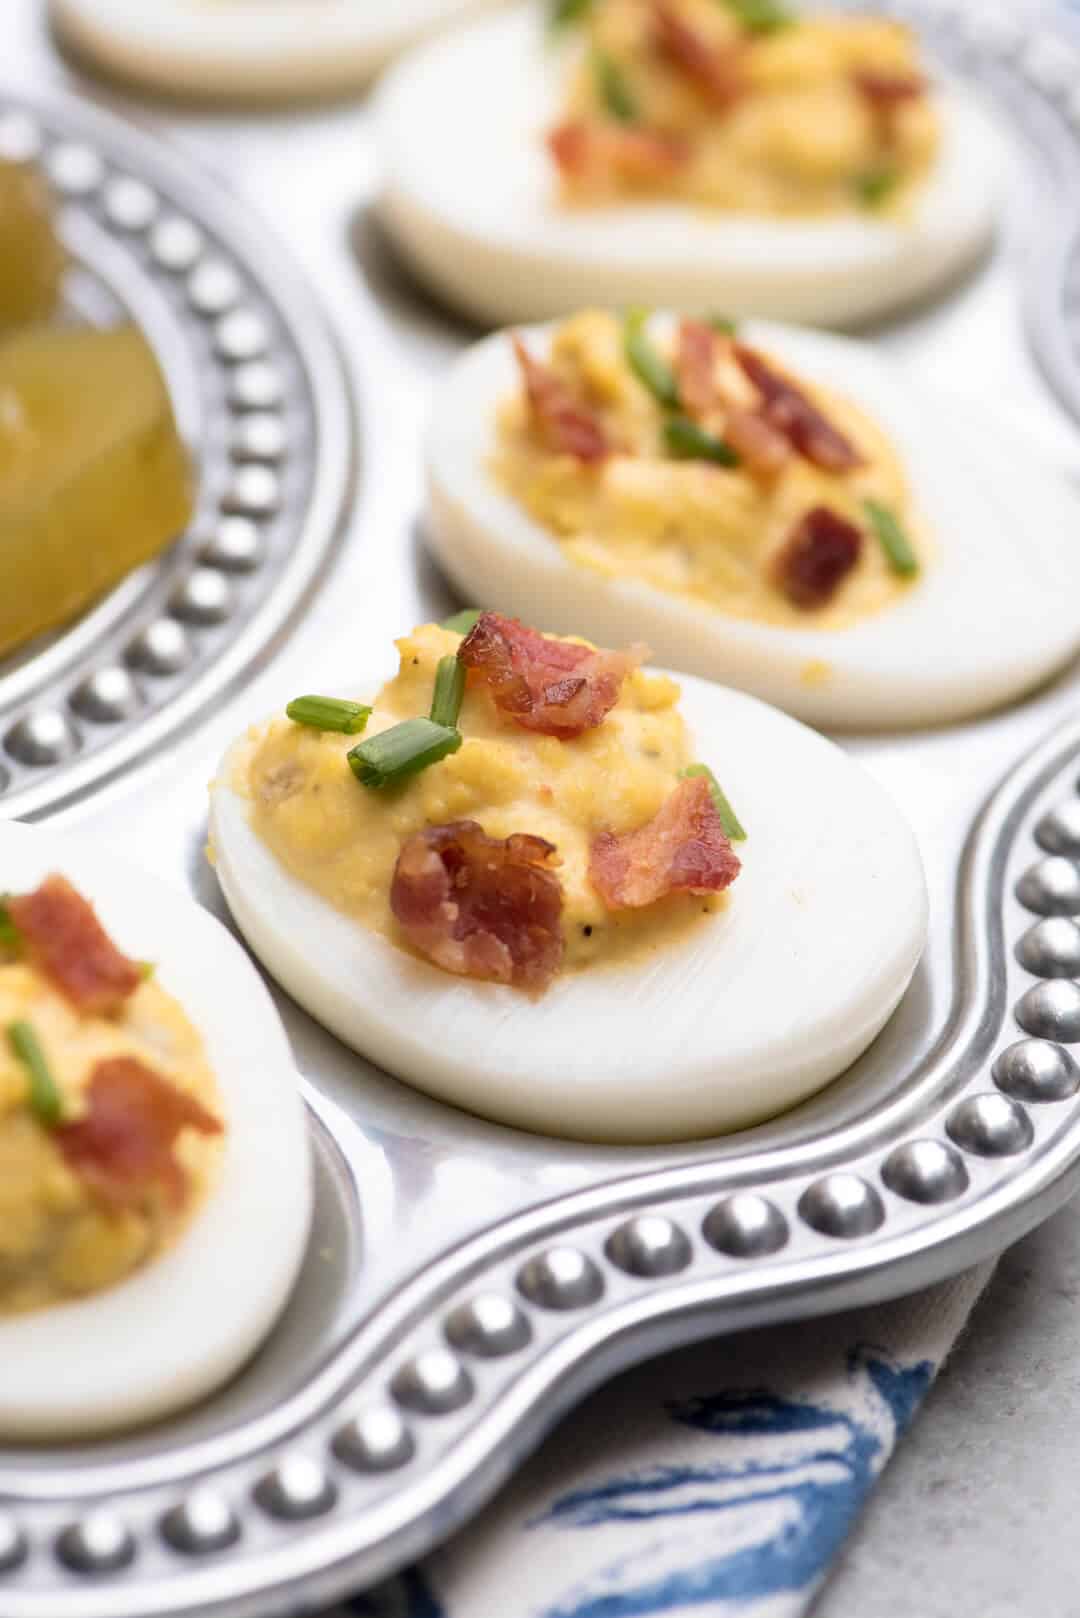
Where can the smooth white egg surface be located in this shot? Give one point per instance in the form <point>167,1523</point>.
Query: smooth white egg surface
<point>183,1323</point>
<point>992,614</point>
<point>761,1004</point>
<point>470,198</point>
<point>249,47</point>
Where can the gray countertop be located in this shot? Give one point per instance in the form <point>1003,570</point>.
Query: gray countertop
<point>974,1513</point>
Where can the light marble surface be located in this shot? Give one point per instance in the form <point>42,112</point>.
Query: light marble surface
<point>975,1513</point>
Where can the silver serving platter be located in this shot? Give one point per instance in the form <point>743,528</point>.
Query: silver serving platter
<point>467,1284</point>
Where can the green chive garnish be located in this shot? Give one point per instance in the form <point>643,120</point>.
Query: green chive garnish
<point>147,970</point>
<point>10,937</point>
<point>646,363</point>
<point>729,820</point>
<point>44,1095</point>
<point>401,751</point>
<point>723,324</point>
<point>892,539</point>
<point>329,713</point>
<point>612,87</point>
<point>760,16</point>
<point>463,621</point>
<point>564,12</point>
<point>875,186</point>
<point>689,442</point>
<point>449,690</point>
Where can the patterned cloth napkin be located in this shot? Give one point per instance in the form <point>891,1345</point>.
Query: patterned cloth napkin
<point>722,1477</point>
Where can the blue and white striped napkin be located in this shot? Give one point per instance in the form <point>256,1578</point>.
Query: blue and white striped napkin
<point>723,1477</point>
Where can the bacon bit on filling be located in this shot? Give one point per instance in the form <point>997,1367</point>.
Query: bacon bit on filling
<point>483,907</point>
<point>886,93</point>
<point>566,426</point>
<point>639,156</point>
<point>787,408</point>
<point>715,71</point>
<point>123,1148</point>
<point>695,366</point>
<point>761,448</point>
<point>66,942</point>
<point>553,686</point>
<point>820,552</point>
<point>682,849</point>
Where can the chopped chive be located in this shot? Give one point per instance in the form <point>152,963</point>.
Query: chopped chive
<point>564,12</point>
<point>401,751</point>
<point>689,442</point>
<point>875,186</point>
<point>729,820</point>
<point>449,690</point>
<point>44,1096</point>
<point>10,936</point>
<point>892,539</point>
<point>760,16</point>
<point>147,970</point>
<point>329,713</point>
<point>723,324</point>
<point>646,363</point>
<point>612,87</point>
<point>463,621</point>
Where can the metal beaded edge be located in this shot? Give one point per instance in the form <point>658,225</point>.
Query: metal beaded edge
<point>437,1370</point>
<point>275,482</point>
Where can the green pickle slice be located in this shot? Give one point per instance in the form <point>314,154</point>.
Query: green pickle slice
<point>94,479</point>
<point>31,258</point>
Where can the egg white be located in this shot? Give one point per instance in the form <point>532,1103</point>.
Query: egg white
<point>181,1325</point>
<point>993,613</point>
<point>763,1003</point>
<point>265,48</point>
<point>470,198</point>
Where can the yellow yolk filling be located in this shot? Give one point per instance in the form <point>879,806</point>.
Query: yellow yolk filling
<point>56,1241</point>
<point>343,839</point>
<point>693,528</point>
<point>801,138</point>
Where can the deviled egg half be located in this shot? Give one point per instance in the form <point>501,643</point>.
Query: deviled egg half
<point>249,48</point>
<point>553,889</point>
<point>155,1184</point>
<point>784,511</point>
<point>697,153</point>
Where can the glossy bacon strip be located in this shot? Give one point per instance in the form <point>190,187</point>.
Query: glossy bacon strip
<point>819,554</point>
<point>696,353</point>
<point>123,1148</point>
<point>565,425</point>
<point>66,942</point>
<point>638,156</point>
<point>552,686</point>
<point>479,906</point>
<point>787,408</point>
<point>682,849</point>
<point>715,71</point>
<point>761,448</point>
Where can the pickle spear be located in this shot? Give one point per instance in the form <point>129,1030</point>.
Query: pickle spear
<point>31,258</point>
<point>94,479</point>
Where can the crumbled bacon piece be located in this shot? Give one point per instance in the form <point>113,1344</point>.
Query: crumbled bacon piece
<point>553,686</point>
<point>638,156</point>
<point>695,366</point>
<point>123,1148</point>
<point>566,425</point>
<point>761,448</point>
<point>787,408</point>
<point>885,93</point>
<point>682,849</point>
<point>66,942</point>
<point>818,555</point>
<point>716,71</point>
<point>483,907</point>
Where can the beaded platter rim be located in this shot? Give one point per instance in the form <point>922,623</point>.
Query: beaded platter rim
<point>262,402</point>
<point>412,1422</point>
